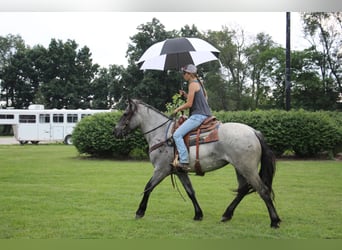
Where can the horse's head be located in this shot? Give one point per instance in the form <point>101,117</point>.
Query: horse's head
<point>126,123</point>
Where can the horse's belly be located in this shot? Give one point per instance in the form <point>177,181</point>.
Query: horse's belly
<point>209,156</point>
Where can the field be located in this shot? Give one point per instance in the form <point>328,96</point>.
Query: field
<point>50,192</point>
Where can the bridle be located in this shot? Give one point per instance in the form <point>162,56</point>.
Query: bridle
<point>170,119</point>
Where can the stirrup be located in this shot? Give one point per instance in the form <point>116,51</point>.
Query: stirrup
<point>180,166</point>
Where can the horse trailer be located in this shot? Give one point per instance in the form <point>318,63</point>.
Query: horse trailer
<point>37,124</point>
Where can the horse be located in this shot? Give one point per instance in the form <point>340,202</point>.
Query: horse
<point>239,145</point>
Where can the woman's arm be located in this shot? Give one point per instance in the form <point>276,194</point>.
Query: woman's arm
<point>193,87</point>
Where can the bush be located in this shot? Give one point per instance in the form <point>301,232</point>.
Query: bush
<point>93,135</point>
<point>306,133</point>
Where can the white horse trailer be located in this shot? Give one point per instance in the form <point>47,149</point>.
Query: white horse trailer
<point>37,124</point>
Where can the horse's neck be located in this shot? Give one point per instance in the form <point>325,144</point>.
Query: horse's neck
<point>151,120</point>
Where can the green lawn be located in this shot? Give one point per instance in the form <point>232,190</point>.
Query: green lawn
<point>49,192</point>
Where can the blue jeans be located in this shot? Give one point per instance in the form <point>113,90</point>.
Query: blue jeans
<point>192,122</point>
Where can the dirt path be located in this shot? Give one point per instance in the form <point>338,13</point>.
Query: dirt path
<point>8,140</point>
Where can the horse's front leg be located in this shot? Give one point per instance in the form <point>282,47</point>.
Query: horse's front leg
<point>143,204</point>
<point>157,177</point>
<point>184,178</point>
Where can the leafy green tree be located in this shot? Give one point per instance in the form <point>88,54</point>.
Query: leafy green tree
<point>21,79</point>
<point>153,87</point>
<point>9,46</point>
<point>323,30</point>
<point>261,61</point>
<point>107,87</point>
<point>68,75</point>
<point>227,90</point>
<point>308,91</point>
<point>192,31</point>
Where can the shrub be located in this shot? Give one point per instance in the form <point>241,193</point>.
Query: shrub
<point>306,133</point>
<point>93,135</point>
<point>138,154</point>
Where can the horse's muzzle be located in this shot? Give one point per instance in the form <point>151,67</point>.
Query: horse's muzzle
<point>118,133</point>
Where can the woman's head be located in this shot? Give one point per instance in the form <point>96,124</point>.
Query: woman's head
<point>189,71</point>
<point>190,68</point>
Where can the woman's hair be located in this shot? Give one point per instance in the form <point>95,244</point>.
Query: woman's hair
<point>202,84</point>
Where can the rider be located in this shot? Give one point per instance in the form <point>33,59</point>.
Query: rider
<point>196,101</point>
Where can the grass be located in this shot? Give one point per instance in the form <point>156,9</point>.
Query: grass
<point>49,192</point>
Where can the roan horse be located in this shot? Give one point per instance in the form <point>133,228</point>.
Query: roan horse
<point>239,145</point>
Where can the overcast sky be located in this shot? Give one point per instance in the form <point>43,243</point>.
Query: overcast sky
<point>107,34</point>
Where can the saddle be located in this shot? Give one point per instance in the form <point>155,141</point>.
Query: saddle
<point>207,132</point>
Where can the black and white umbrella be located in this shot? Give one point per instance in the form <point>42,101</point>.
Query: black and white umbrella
<point>177,52</point>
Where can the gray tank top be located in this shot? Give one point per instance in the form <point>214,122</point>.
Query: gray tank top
<point>200,105</point>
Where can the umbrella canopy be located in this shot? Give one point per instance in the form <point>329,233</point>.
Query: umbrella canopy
<point>176,52</point>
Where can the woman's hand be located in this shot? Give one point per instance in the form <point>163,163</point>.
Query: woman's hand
<point>175,111</point>
<point>183,93</point>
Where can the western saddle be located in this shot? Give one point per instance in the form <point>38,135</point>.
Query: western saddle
<point>207,132</point>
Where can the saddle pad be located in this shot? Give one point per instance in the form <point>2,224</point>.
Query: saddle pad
<point>206,137</point>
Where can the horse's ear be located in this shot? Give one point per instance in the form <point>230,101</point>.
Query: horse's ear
<point>131,104</point>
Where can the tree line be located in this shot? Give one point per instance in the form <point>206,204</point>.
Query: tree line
<point>251,74</point>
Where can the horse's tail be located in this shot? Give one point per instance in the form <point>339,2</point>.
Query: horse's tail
<point>268,163</point>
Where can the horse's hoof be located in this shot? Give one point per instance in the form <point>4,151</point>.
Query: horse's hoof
<point>224,218</point>
<point>275,224</point>
<point>139,216</point>
<point>198,218</point>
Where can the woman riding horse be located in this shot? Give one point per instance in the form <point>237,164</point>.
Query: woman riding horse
<point>199,111</point>
<point>238,145</point>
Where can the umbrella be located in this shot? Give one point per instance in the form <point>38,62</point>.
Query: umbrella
<point>177,52</point>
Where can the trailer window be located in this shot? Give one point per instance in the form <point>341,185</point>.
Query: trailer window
<point>44,118</point>
<point>27,119</point>
<point>6,116</point>
<point>71,118</point>
<point>58,118</point>
<point>84,115</point>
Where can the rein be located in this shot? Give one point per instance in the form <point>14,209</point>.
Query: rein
<point>161,125</point>
<point>167,140</point>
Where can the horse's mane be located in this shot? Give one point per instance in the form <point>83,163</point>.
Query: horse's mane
<point>150,107</point>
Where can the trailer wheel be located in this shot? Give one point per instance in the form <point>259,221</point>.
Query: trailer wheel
<point>35,142</point>
<point>68,140</point>
<point>23,142</point>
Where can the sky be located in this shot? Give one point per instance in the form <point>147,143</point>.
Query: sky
<point>107,34</point>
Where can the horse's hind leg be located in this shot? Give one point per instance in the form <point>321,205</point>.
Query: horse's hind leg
<point>242,190</point>
<point>265,194</point>
<point>184,178</point>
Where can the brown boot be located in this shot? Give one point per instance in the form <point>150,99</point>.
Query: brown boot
<point>181,166</point>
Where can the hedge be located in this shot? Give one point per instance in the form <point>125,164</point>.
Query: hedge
<point>93,135</point>
<point>305,133</point>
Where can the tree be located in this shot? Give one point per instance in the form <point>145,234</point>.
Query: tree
<point>67,75</point>
<point>9,46</point>
<point>22,77</point>
<point>153,87</point>
<point>323,30</point>
<point>192,31</point>
<point>308,90</point>
<point>107,87</point>
<point>229,90</point>
<point>262,60</point>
